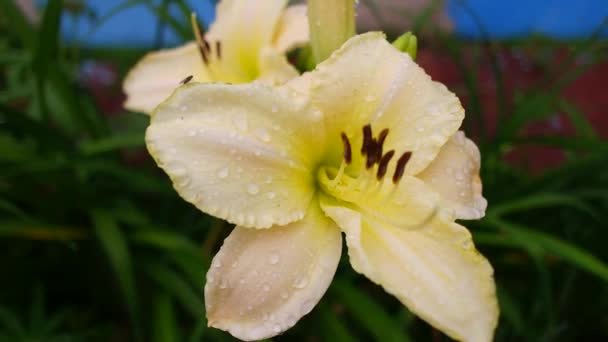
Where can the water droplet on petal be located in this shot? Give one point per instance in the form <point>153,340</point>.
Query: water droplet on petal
<point>240,121</point>
<point>307,307</point>
<point>276,328</point>
<point>253,189</point>
<point>263,134</point>
<point>273,259</point>
<point>274,109</point>
<point>284,295</point>
<point>270,195</point>
<point>266,287</point>
<point>223,173</point>
<point>223,284</point>
<point>300,282</point>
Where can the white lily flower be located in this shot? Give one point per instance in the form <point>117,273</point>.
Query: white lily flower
<point>247,41</point>
<point>366,144</point>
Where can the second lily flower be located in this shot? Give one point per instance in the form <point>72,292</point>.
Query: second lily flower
<point>247,42</point>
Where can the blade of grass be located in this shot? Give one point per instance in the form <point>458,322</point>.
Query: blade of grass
<point>542,200</point>
<point>367,312</point>
<point>333,330</point>
<point>165,322</point>
<point>114,244</point>
<point>178,287</point>
<point>112,143</point>
<point>17,23</point>
<point>546,243</point>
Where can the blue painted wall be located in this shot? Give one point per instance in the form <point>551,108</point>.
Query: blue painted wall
<point>137,26</point>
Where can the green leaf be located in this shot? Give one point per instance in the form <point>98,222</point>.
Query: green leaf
<point>368,313</point>
<point>9,323</point>
<point>178,287</point>
<point>510,311</point>
<point>165,321</point>
<point>48,37</point>
<point>580,122</point>
<point>165,240</point>
<point>114,244</point>
<point>542,200</point>
<point>112,143</point>
<point>17,23</point>
<point>542,242</point>
<point>333,330</point>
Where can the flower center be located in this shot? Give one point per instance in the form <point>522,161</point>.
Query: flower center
<point>366,184</point>
<point>372,152</point>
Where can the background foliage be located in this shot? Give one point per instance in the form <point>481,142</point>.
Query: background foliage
<point>97,246</point>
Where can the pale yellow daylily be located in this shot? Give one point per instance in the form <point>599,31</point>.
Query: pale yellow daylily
<point>247,41</point>
<point>366,144</point>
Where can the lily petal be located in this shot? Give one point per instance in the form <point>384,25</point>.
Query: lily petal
<point>292,30</point>
<point>157,75</point>
<point>244,27</point>
<point>369,81</point>
<point>262,282</point>
<point>239,152</point>
<point>435,271</point>
<point>455,175</point>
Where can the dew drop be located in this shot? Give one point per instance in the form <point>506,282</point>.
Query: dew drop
<point>192,132</point>
<point>263,134</point>
<point>271,195</point>
<point>307,307</point>
<point>240,121</point>
<point>223,173</point>
<point>266,287</point>
<point>217,264</point>
<point>276,328</point>
<point>223,284</point>
<point>284,295</point>
<point>253,189</point>
<point>235,264</point>
<point>274,109</point>
<point>369,98</point>
<point>300,282</point>
<point>273,259</point>
<point>420,129</point>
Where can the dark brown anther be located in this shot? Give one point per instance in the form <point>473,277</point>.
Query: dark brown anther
<point>382,136</point>
<point>347,151</point>
<point>367,138</point>
<point>201,49</point>
<point>401,163</point>
<point>383,164</point>
<point>186,80</point>
<point>207,46</point>
<point>372,153</point>
<point>380,144</point>
<point>218,49</point>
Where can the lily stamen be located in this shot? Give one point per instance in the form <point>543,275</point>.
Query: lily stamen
<point>400,168</point>
<point>383,165</point>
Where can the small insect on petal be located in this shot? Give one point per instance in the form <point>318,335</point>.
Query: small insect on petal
<point>186,80</point>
